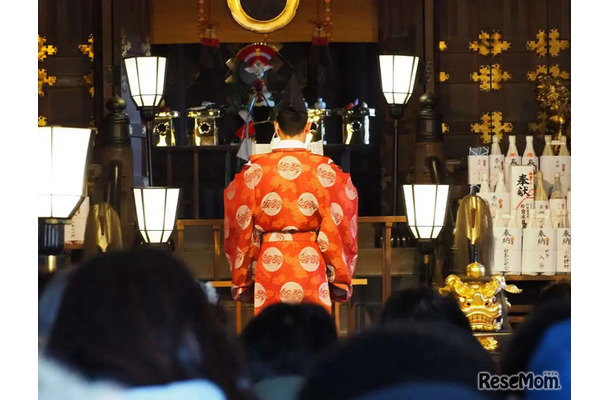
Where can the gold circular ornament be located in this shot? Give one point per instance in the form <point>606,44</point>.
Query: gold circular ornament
<point>279,20</point>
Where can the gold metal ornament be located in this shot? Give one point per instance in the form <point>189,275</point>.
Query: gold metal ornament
<point>42,121</point>
<point>87,49</point>
<point>553,70</point>
<point>491,124</point>
<point>45,50</point>
<point>442,45</point>
<point>555,45</point>
<point>444,128</point>
<point>490,77</point>
<point>489,44</point>
<point>554,96</point>
<point>443,76</point>
<point>262,26</point>
<point>479,297</point>
<point>539,127</point>
<point>44,79</point>
<point>489,343</point>
<point>88,80</point>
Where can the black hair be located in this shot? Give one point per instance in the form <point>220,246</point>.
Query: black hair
<point>285,339</point>
<point>381,357</point>
<point>527,337</point>
<point>291,121</point>
<point>423,304</point>
<point>140,318</point>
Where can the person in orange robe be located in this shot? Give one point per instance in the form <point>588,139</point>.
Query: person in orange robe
<point>291,221</point>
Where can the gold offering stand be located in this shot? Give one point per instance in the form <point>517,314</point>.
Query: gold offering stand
<point>204,127</point>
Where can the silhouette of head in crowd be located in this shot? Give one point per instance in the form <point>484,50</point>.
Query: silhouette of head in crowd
<point>285,339</point>
<point>396,357</point>
<point>140,318</point>
<point>422,304</point>
<point>552,308</point>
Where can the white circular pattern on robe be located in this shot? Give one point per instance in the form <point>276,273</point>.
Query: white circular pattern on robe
<point>272,259</point>
<point>280,237</point>
<point>253,175</point>
<point>289,167</point>
<point>336,212</point>
<point>324,294</point>
<point>322,241</point>
<point>271,204</point>
<point>291,292</point>
<point>326,175</point>
<point>307,203</point>
<point>226,227</point>
<point>354,226</point>
<point>243,216</point>
<point>260,295</point>
<point>239,258</point>
<point>309,259</point>
<point>350,189</point>
<point>290,229</point>
<point>231,191</point>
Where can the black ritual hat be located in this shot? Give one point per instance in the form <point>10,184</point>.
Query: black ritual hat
<point>292,98</point>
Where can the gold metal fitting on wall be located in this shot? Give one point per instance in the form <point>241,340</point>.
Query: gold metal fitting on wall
<point>44,50</point>
<point>490,77</point>
<point>87,49</point>
<point>42,120</point>
<point>553,70</point>
<point>88,80</point>
<point>443,76</point>
<point>44,79</point>
<point>553,47</point>
<point>491,124</point>
<point>489,44</point>
<point>442,45</point>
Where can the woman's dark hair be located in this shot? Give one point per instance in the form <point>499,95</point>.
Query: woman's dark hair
<point>422,304</point>
<point>139,318</point>
<point>398,354</point>
<point>285,339</point>
<point>291,121</point>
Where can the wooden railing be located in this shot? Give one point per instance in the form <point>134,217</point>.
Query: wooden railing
<point>217,226</point>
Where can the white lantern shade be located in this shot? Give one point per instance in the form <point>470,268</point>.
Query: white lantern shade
<point>146,77</point>
<point>426,206</point>
<point>62,155</point>
<point>397,77</point>
<point>156,209</point>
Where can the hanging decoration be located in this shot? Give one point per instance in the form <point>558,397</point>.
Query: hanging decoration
<point>491,125</point>
<point>489,44</point>
<point>249,95</point>
<point>328,19</point>
<point>553,47</point>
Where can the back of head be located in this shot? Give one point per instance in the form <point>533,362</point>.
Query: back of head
<point>291,121</point>
<point>528,336</point>
<point>285,339</point>
<point>384,357</point>
<point>139,318</point>
<point>422,304</point>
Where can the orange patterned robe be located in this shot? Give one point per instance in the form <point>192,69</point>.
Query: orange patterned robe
<point>291,227</point>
